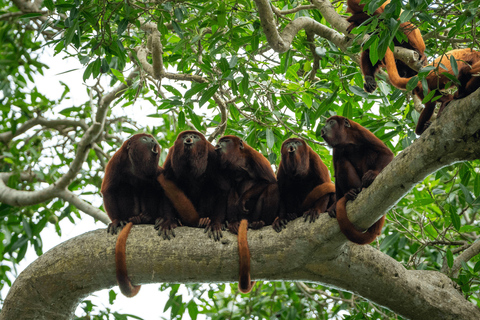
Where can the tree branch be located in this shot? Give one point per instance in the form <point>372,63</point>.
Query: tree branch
<point>55,283</point>
<point>465,256</point>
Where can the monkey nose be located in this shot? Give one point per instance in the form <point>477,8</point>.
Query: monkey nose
<point>188,141</point>
<point>155,148</point>
<point>322,132</point>
<point>291,149</point>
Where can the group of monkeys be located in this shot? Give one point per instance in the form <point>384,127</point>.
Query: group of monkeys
<point>232,185</point>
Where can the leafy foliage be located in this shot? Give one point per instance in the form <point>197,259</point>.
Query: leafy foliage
<point>215,50</point>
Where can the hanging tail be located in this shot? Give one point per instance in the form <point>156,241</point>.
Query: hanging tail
<point>123,280</point>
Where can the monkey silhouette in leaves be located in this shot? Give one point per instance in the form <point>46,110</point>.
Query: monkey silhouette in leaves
<point>415,42</point>
<point>193,166</point>
<point>253,196</point>
<point>358,157</point>
<point>304,182</point>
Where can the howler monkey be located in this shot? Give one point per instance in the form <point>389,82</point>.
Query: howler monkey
<point>253,195</point>
<point>304,183</point>
<point>131,195</point>
<point>358,157</point>
<point>415,42</point>
<point>193,166</point>
<point>468,64</point>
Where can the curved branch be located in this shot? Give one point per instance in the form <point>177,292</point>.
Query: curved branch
<point>465,256</point>
<point>281,42</point>
<point>55,283</point>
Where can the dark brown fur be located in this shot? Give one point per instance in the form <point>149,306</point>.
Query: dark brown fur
<point>131,195</point>
<point>304,182</point>
<point>193,166</point>
<point>253,195</point>
<point>358,157</point>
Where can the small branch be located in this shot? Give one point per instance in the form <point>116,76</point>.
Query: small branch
<point>85,207</point>
<point>464,257</point>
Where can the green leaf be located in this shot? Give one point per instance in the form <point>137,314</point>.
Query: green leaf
<point>49,4</point>
<point>177,29</point>
<point>307,99</point>
<point>468,195</point>
<point>196,88</point>
<point>287,100</point>
<point>455,220</point>
<point>208,94</point>
<point>449,258</point>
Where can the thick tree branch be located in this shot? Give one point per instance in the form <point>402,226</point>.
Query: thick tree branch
<point>465,256</point>
<point>53,285</point>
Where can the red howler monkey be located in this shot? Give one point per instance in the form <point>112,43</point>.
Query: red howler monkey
<point>192,165</point>
<point>415,42</point>
<point>468,63</point>
<point>304,183</point>
<point>131,195</point>
<point>253,195</point>
<point>358,157</point>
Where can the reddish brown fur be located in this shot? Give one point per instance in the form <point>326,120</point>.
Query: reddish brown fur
<point>192,165</point>
<point>358,157</point>
<point>253,193</point>
<point>131,195</point>
<point>304,182</point>
<point>415,42</point>
<point>468,63</point>
<point>245,285</point>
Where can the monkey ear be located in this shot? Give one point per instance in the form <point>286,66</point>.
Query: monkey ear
<point>347,123</point>
<point>241,144</point>
<point>128,144</point>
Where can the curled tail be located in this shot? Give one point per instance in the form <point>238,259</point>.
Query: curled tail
<point>395,79</point>
<point>348,229</point>
<point>123,280</point>
<point>180,202</point>
<point>244,283</point>
<point>318,192</point>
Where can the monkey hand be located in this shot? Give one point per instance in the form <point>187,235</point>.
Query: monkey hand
<point>368,178</point>
<point>115,226</point>
<point>166,228</point>
<point>256,224</point>
<point>311,215</point>
<point>370,84</point>
<point>233,227</point>
<point>279,224</point>
<point>141,218</point>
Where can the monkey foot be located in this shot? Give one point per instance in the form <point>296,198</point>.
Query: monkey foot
<point>233,227</point>
<point>141,218</point>
<point>311,215</point>
<point>279,224</point>
<point>204,222</point>
<point>115,226</point>
<point>165,228</point>
<point>256,224</point>
<point>332,212</point>
<point>352,194</point>
<point>214,231</point>
<point>370,84</point>
<point>368,178</point>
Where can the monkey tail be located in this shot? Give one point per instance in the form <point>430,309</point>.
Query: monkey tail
<point>180,202</point>
<point>244,283</point>
<point>318,192</point>
<point>348,229</point>
<point>395,79</point>
<point>123,280</point>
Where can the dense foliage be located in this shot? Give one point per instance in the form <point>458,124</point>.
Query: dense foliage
<point>219,75</point>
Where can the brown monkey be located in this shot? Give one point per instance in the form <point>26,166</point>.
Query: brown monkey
<point>304,182</point>
<point>131,195</point>
<point>468,63</point>
<point>358,157</point>
<point>253,195</point>
<point>415,42</point>
<point>193,166</point>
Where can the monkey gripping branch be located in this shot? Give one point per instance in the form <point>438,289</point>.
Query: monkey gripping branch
<point>53,285</point>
